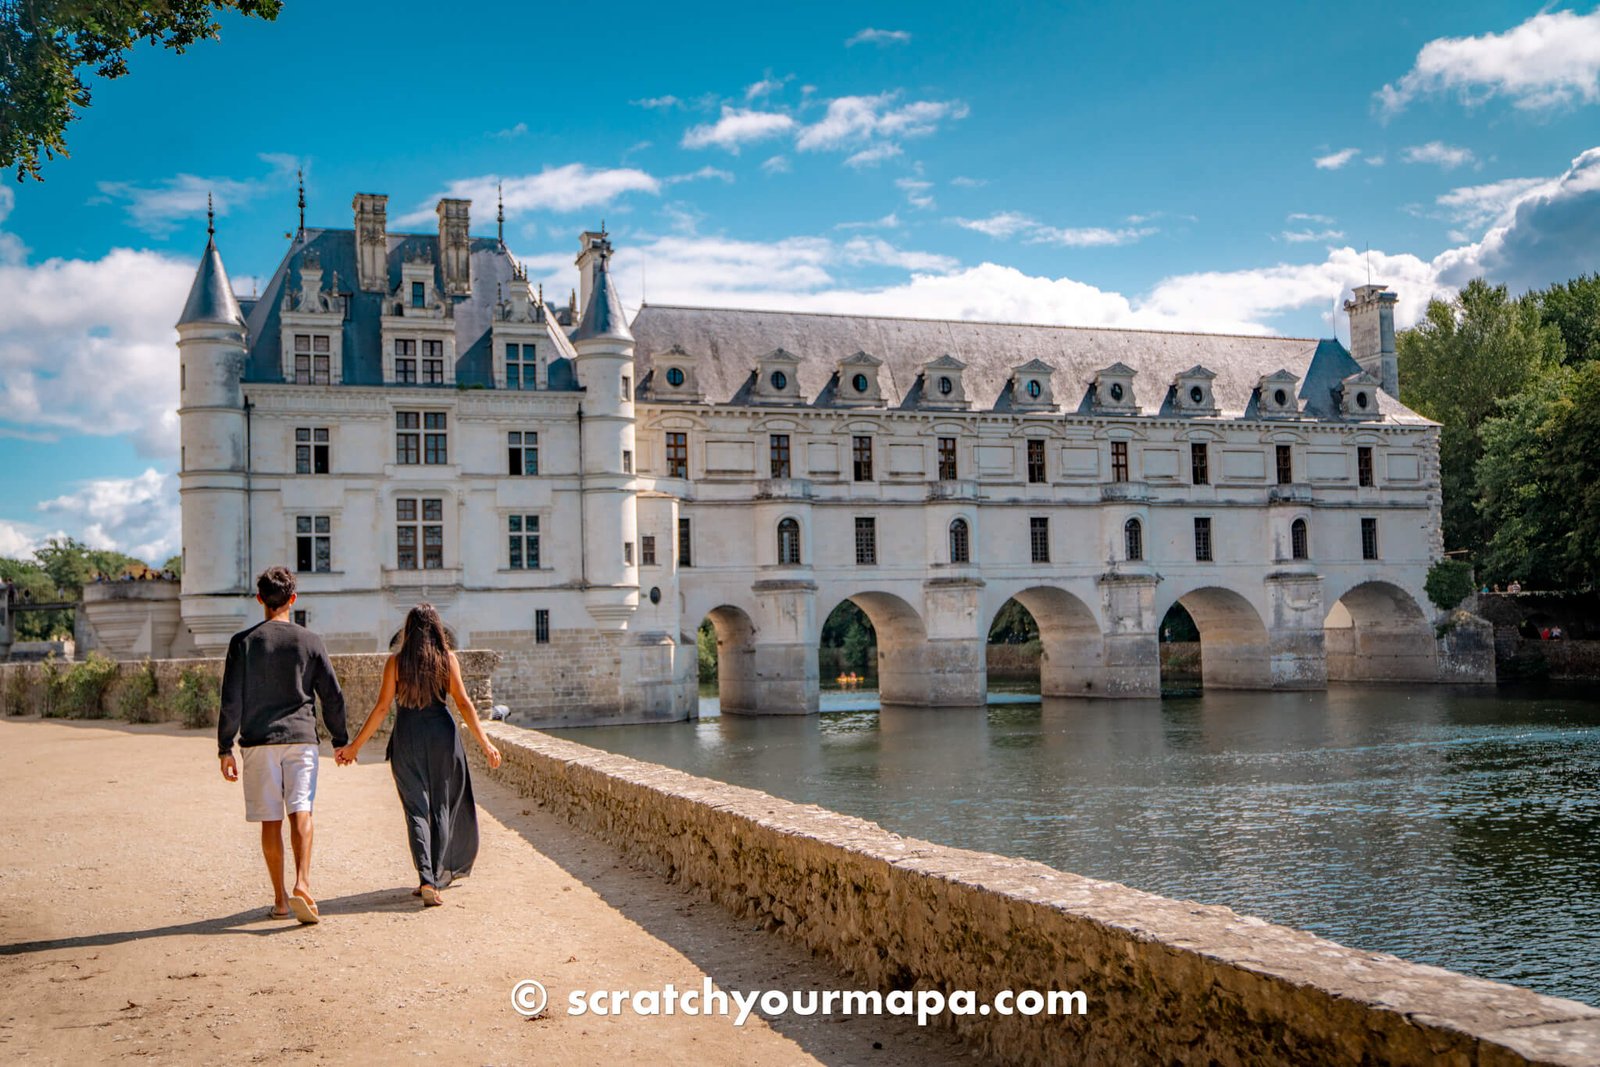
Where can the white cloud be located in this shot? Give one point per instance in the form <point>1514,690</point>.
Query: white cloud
<point>738,126</point>
<point>572,187</point>
<point>659,103</point>
<point>856,120</point>
<point>1335,160</point>
<point>916,190</point>
<point>968,183</point>
<point>1445,156</point>
<point>703,174</point>
<point>1301,216</point>
<point>777,165</point>
<point>876,251</point>
<point>156,209</point>
<point>879,37</point>
<point>1002,225</point>
<point>1303,236</point>
<point>1480,205</point>
<point>138,516</point>
<point>19,539</point>
<point>766,86</point>
<point>1550,61</point>
<point>871,157</point>
<point>511,133</point>
<point>891,221</point>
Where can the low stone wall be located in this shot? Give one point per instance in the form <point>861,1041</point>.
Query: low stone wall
<point>1166,981</point>
<point>22,685</point>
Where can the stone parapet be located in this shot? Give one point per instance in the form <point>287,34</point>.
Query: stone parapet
<point>1166,981</point>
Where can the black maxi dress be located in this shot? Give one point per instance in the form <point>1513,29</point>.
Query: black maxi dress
<point>430,772</point>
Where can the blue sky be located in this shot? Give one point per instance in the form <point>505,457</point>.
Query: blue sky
<point>1161,165</point>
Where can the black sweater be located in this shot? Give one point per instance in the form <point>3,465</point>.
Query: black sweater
<point>273,671</point>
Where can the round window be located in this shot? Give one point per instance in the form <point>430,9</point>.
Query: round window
<point>1116,390</point>
<point>1197,395</point>
<point>674,376</point>
<point>780,380</point>
<point>655,594</point>
<point>946,386</point>
<point>1034,388</point>
<point>1281,398</point>
<point>1361,399</point>
<point>860,383</point>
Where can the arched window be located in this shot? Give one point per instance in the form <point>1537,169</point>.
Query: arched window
<point>1299,543</point>
<point>789,542</point>
<point>960,542</point>
<point>1133,539</point>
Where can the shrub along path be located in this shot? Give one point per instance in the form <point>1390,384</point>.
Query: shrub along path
<point>133,927</point>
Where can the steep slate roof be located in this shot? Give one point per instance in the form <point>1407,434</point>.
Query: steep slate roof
<point>729,342</point>
<point>363,357</point>
<point>211,296</point>
<point>604,317</point>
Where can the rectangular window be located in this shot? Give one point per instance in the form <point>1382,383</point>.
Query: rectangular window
<point>647,550</point>
<point>685,545</point>
<point>320,359</point>
<point>866,541</point>
<point>299,618</point>
<point>522,367</point>
<point>311,450</point>
<point>778,448</point>
<point>522,452</point>
<point>524,533</point>
<point>1039,539</point>
<point>313,542</point>
<point>627,388</point>
<point>1285,464</point>
<point>677,455</point>
<point>407,441</point>
<point>1036,471</point>
<point>1199,465</point>
<point>302,359</point>
<point>412,534</point>
<point>541,626</point>
<point>405,361</point>
<point>947,459</point>
<point>433,362</point>
<point>418,295</point>
<point>627,461</point>
<point>1364,465</point>
<point>861,453</point>
<point>435,442</point>
<point>627,553</point>
<point>1119,461</point>
<point>1202,540</point>
<point>1369,538</point>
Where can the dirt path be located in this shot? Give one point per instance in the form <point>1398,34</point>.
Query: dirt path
<point>132,927</point>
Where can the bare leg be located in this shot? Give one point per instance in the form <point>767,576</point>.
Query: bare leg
<point>300,840</point>
<point>272,851</point>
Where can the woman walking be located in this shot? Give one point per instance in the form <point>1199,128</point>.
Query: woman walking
<point>425,753</point>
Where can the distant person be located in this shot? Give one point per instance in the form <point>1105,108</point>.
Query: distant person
<point>274,671</point>
<point>425,753</point>
<point>1514,587</point>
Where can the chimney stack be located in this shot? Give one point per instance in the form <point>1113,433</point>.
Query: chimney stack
<point>1372,334</point>
<point>455,249</point>
<point>590,247</point>
<point>372,241</point>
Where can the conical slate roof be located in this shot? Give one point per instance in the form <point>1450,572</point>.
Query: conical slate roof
<point>604,317</point>
<point>211,297</point>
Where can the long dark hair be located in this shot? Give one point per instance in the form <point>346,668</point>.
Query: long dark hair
<point>423,662</point>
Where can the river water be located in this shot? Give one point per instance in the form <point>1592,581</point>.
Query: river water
<point>1457,827</point>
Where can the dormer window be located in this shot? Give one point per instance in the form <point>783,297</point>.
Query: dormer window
<point>419,295</point>
<point>1276,395</point>
<point>1116,391</point>
<point>1113,389</point>
<point>946,386</point>
<point>1192,392</point>
<point>780,381</point>
<point>311,359</point>
<point>1360,397</point>
<point>675,377</point>
<point>522,366</point>
<point>1034,389</point>
<point>1197,395</point>
<point>1031,386</point>
<point>942,385</point>
<point>859,383</point>
<point>776,380</point>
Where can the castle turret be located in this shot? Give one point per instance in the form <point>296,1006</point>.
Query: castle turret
<point>212,467</point>
<point>1372,334</point>
<point>605,370</point>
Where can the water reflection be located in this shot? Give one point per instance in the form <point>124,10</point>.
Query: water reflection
<point>1450,826</point>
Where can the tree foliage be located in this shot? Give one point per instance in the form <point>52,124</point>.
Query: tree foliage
<point>1573,308</point>
<point>49,47</point>
<point>59,571</point>
<point>1449,582</point>
<point>1456,366</point>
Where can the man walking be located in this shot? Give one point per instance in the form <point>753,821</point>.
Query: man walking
<point>273,672</point>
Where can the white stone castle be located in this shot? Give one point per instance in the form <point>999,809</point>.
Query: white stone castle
<point>400,417</point>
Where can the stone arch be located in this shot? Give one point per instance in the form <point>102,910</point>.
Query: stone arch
<point>1073,661</point>
<point>903,670</point>
<point>736,659</point>
<point>1377,632</point>
<point>1235,648</point>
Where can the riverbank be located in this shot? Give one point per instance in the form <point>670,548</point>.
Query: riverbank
<point>132,927</point>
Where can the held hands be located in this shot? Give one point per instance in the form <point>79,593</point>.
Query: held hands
<point>346,755</point>
<point>230,769</point>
